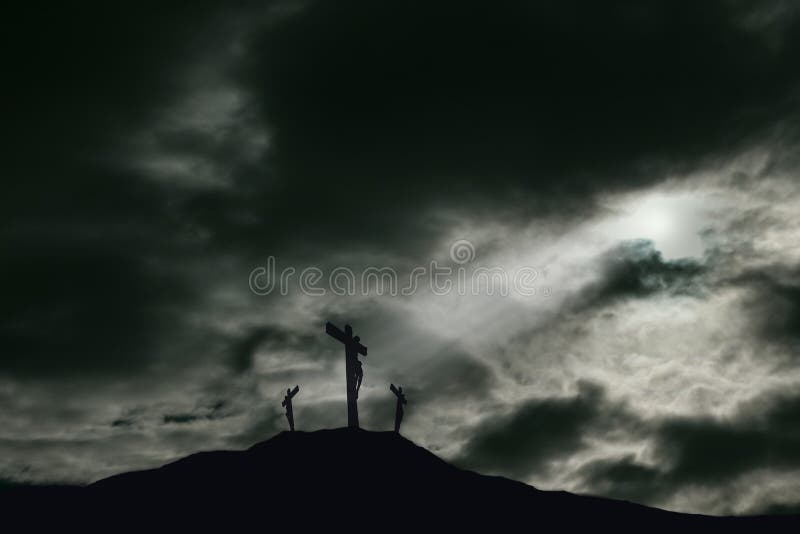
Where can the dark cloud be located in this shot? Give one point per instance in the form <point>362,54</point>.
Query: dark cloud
<point>709,451</point>
<point>705,452</point>
<point>774,303</point>
<point>781,509</point>
<point>83,291</point>
<point>536,432</point>
<point>79,78</point>
<point>95,256</point>
<point>454,376</point>
<point>624,478</point>
<point>686,451</point>
<point>636,269</point>
<point>180,418</point>
<point>78,308</point>
<point>403,106</point>
<point>267,337</point>
<point>117,423</point>
<point>217,410</point>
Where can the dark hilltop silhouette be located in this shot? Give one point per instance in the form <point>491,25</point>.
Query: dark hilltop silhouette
<point>343,479</point>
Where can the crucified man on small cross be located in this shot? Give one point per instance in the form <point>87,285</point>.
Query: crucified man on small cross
<point>399,411</point>
<point>287,402</point>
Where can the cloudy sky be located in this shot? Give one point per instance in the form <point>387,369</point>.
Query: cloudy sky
<point>637,159</point>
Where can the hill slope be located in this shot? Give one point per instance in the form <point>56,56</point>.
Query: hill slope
<point>346,479</point>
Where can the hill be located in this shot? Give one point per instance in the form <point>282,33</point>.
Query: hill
<point>343,478</point>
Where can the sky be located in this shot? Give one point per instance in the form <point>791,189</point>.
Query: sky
<point>609,189</point>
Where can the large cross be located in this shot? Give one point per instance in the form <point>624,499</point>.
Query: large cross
<point>352,348</point>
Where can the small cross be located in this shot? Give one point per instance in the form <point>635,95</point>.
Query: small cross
<point>287,402</point>
<point>401,400</point>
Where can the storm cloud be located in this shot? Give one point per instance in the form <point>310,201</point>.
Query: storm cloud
<point>536,432</point>
<point>708,452</point>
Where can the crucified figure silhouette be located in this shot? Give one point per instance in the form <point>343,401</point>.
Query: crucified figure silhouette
<point>287,403</point>
<point>359,374</point>
<point>399,411</point>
